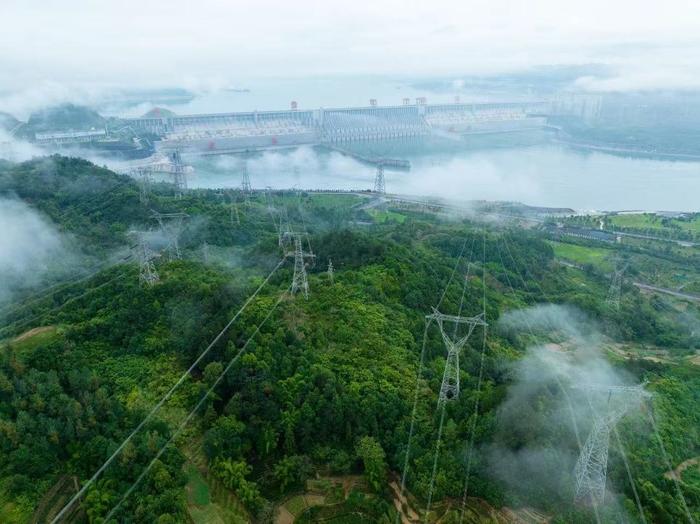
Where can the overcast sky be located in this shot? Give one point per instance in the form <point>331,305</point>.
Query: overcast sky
<point>50,44</point>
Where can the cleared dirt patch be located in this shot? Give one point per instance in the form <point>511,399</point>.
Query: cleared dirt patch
<point>32,332</point>
<point>681,468</point>
<point>283,516</point>
<point>628,352</point>
<point>408,514</point>
<point>293,507</point>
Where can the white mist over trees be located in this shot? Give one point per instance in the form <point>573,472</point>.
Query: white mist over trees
<point>30,247</point>
<point>548,404</point>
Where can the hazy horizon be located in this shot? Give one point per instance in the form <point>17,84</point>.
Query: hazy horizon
<point>87,49</point>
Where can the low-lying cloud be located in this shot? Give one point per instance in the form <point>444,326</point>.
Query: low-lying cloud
<point>17,150</point>
<point>31,249</point>
<point>548,413</point>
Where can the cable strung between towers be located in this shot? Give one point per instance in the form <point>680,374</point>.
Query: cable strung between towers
<point>162,401</point>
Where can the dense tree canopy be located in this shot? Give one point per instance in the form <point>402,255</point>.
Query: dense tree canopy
<point>323,386</point>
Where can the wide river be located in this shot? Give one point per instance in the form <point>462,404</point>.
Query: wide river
<point>525,167</point>
<point>535,172</point>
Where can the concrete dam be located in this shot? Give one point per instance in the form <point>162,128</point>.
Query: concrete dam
<point>234,132</point>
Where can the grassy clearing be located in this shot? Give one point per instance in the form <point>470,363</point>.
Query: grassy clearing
<point>692,225</point>
<point>198,498</point>
<point>647,221</point>
<point>197,488</point>
<point>637,221</point>
<point>387,216</point>
<point>206,515</point>
<point>583,255</point>
<point>296,505</point>
<point>208,500</point>
<point>342,513</point>
<point>332,200</point>
<point>203,504</point>
<point>34,338</point>
<point>11,513</point>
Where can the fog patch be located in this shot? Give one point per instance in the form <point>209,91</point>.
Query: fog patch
<point>360,174</point>
<point>274,161</point>
<point>17,150</point>
<point>691,322</point>
<point>31,249</point>
<point>554,321</point>
<point>194,231</point>
<point>304,167</point>
<point>21,103</point>
<point>155,240</point>
<point>664,76</point>
<point>536,445</point>
<point>475,176</point>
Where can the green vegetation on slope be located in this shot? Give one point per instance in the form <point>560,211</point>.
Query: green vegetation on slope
<point>584,255</point>
<point>325,387</point>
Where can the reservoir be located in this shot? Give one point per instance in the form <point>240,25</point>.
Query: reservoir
<point>526,168</point>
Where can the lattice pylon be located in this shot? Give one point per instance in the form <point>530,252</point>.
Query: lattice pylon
<point>179,173</point>
<point>171,225</point>
<point>283,231</point>
<point>144,180</point>
<point>147,270</point>
<point>379,183</point>
<point>450,387</point>
<point>615,290</point>
<point>148,274</point>
<point>331,271</point>
<point>245,179</point>
<point>300,281</point>
<point>268,200</point>
<point>592,465</point>
<point>205,252</point>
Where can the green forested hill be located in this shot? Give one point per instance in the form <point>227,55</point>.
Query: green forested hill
<point>316,397</point>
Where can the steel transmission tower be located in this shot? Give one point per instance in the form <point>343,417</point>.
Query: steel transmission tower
<point>205,252</point>
<point>615,290</point>
<point>179,178</point>
<point>245,179</point>
<point>147,270</point>
<point>330,271</point>
<point>144,179</point>
<point>272,210</point>
<point>284,233</point>
<point>379,185</point>
<point>300,280</point>
<point>171,165</point>
<point>268,200</point>
<point>171,225</point>
<point>592,464</point>
<point>449,390</point>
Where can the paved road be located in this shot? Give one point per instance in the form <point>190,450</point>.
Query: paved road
<point>671,292</point>
<point>641,285</point>
<point>683,243</point>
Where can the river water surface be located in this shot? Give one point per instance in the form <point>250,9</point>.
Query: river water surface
<point>526,167</point>
<point>495,168</point>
